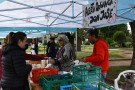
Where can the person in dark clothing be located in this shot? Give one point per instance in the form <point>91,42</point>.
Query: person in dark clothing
<point>15,71</point>
<point>52,48</point>
<point>34,46</point>
<point>47,49</point>
<point>0,66</point>
<point>27,56</point>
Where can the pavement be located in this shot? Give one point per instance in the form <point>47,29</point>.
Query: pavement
<point>119,63</point>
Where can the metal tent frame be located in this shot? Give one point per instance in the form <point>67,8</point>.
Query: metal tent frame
<point>54,15</point>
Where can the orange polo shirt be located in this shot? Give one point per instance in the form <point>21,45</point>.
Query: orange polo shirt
<point>100,55</point>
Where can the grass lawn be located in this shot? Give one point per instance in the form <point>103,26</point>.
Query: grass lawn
<point>115,70</point>
<point>117,53</point>
<point>41,49</point>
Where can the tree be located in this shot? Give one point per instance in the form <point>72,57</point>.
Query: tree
<point>132,24</point>
<point>71,37</point>
<point>108,32</point>
<point>80,38</point>
<point>119,37</point>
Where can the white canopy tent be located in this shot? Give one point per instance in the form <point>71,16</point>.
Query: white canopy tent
<point>54,15</point>
<point>38,13</point>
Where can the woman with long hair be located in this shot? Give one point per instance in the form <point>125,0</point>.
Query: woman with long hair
<point>15,71</point>
<point>65,55</point>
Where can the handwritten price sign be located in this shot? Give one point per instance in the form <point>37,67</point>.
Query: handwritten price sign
<point>100,12</point>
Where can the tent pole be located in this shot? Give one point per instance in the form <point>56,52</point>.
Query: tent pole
<point>22,20</point>
<point>13,9</point>
<point>59,15</point>
<point>13,1</point>
<point>72,8</point>
<point>43,41</point>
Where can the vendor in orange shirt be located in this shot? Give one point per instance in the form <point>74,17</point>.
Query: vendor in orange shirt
<point>100,54</point>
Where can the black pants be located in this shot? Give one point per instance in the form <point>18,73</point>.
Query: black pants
<point>18,88</point>
<point>0,85</point>
<point>25,87</point>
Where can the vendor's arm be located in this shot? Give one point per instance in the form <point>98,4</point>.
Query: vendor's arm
<point>98,55</point>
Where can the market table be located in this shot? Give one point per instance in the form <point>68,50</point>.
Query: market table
<point>34,62</point>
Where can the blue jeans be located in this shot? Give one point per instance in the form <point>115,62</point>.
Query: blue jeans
<point>104,76</point>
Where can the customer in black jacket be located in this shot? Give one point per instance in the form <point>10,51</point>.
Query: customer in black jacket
<point>52,48</point>
<point>15,70</point>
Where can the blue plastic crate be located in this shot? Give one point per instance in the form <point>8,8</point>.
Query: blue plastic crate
<point>85,86</point>
<point>104,86</point>
<point>67,87</point>
<point>91,86</point>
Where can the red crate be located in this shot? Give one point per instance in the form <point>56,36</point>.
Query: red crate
<point>37,72</point>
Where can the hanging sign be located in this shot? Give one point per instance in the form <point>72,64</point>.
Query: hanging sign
<point>100,12</point>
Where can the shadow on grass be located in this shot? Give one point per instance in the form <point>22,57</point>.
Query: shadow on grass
<point>114,71</point>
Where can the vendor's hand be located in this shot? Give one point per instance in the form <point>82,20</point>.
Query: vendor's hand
<point>52,61</point>
<point>45,58</point>
<point>27,62</point>
<point>83,59</point>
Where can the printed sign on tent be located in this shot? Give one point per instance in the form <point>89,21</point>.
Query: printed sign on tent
<point>100,12</point>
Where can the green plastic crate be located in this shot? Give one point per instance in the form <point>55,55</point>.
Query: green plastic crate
<point>91,86</point>
<point>87,72</point>
<point>104,86</point>
<point>54,82</point>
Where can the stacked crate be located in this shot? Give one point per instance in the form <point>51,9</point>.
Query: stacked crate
<point>37,72</point>
<point>87,73</point>
<point>54,82</point>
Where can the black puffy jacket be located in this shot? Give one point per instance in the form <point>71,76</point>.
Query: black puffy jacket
<point>14,68</point>
<point>52,49</point>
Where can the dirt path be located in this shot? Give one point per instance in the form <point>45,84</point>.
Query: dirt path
<point>119,63</point>
<point>127,55</point>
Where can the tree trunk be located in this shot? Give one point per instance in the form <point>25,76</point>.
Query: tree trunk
<point>132,24</point>
<point>79,42</point>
